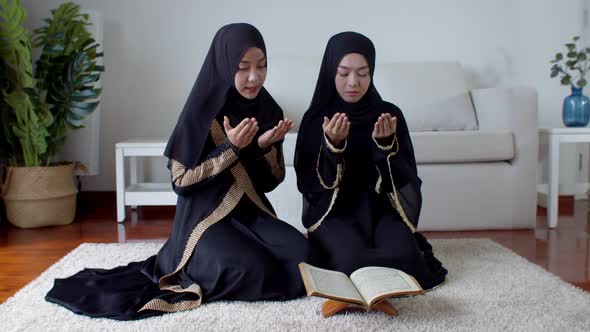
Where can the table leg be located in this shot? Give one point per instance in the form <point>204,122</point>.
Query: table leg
<point>120,179</point>
<point>553,191</point>
<point>133,170</point>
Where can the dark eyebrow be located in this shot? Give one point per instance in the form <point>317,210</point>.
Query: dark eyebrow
<point>344,67</point>
<point>248,62</point>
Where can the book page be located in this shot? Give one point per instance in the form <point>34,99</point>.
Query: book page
<point>327,283</point>
<point>374,282</point>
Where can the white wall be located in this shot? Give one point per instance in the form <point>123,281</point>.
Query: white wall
<point>154,48</point>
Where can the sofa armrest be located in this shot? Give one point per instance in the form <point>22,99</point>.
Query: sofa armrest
<point>514,109</point>
<point>506,108</point>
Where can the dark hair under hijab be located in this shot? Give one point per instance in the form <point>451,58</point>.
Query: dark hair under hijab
<point>363,114</point>
<point>214,92</point>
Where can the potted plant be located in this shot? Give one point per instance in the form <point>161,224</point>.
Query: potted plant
<point>38,107</point>
<point>571,68</point>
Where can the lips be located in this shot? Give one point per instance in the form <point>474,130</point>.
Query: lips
<point>251,89</point>
<point>351,93</point>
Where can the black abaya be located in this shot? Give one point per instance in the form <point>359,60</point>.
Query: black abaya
<point>226,242</point>
<point>362,200</point>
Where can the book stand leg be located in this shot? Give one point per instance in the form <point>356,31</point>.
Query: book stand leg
<point>331,307</point>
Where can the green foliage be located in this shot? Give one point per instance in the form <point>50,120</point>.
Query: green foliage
<point>37,109</point>
<point>571,68</point>
<point>25,118</point>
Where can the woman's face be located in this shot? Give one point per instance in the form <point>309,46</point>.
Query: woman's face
<point>251,73</point>
<point>353,77</point>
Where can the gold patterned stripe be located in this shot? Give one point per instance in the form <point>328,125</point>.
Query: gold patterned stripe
<point>165,306</point>
<point>183,177</point>
<point>243,180</point>
<point>388,147</point>
<point>338,173</point>
<point>332,147</point>
<point>193,288</point>
<point>238,171</point>
<point>229,202</point>
<point>277,163</point>
<point>378,184</point>
<point>319,222</point>
<point>394,199</point>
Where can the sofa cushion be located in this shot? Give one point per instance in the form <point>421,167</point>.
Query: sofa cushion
<point>433,96</point>
<point>462,146</point>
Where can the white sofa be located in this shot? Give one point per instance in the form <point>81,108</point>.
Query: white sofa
<point>476,148</point>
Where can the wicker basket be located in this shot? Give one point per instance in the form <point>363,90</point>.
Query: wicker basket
<point>40,196</point>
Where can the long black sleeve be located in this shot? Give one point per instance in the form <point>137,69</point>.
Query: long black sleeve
<point>330,164</point>
<point>186,181</point>
<point>266,167</point>
<point>398,174</point>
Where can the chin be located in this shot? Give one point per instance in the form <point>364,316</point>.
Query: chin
<point>350,99</point>
<point>249,95</point>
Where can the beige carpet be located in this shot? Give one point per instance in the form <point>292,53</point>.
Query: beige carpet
<point>489,289</point>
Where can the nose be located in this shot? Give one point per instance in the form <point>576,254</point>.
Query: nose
<point>352,81</point>
<point>253,76</point>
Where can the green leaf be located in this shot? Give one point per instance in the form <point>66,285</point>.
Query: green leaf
<point>565,80</point>
<point>572,54</point>
<point>581,83</point>
<point>571,63</point>
<point>582,56</point>
<point>570,47</point>
<point>84,95</point>
<point>554,73</point>
<point>576,38</point>
<point>73,121</point>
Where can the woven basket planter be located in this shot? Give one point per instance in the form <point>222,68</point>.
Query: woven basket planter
<point>40,196</point>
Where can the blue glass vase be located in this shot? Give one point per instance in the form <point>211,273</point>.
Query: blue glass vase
<point>576,109</point>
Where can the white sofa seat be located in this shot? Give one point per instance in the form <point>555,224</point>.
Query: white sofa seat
<point>432,147</point>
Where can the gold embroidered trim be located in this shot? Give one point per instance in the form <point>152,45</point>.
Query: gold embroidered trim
<point>332,147</point>
<point>185,177</point>
<point>319,222</point>
<point>228,203</point>
<point>277,165</point>
<point>394,199</point>
<point>388,147</point>
<point>239,172</point>
<point>338,173</point>
<point>378,184</point>
<point>165,306</point>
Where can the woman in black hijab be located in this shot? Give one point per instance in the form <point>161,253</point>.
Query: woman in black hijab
<point>357,172</point>
<point>226,242</point>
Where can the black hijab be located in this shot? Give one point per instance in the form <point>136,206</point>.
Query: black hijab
<point>214,93</point>
<point>326,102</point>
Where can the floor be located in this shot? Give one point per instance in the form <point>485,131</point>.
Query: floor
<point>24,254</point>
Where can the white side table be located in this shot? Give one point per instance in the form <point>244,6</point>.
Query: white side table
<point>554,138</point>
<point>139,193</point>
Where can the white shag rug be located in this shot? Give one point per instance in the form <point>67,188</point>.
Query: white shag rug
<point>489,288</point>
